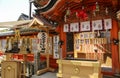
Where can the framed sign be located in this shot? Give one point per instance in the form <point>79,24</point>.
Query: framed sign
<point>107,24</point>
<point>74,27</point>
<point>66,28</point>
<point>85,26</point>
<point>97,25</point>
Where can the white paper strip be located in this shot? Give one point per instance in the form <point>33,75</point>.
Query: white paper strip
<point>85,26</point>
<point>97,25</point>
<point>66,28</point>
<point>50,45</point>
<point>107,23</point>
<point>42,36</point>
<point>74,27</point>
<point>56,47</point>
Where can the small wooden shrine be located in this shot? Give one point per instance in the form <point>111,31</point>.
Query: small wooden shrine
<point>44,46</point>
<point>26,48</point>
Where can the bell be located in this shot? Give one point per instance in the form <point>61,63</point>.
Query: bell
<point>97,6</point>
<point>98,33</point>
<point>68,12</point>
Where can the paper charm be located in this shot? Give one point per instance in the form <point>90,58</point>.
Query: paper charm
<point>107,24</point>
<point>74,27</point>
<point>97,25</point>
<point>85,26</point>
<point>66,28</point>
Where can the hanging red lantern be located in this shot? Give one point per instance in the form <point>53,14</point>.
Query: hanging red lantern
<point>85,16</point>
<point>80,13</point>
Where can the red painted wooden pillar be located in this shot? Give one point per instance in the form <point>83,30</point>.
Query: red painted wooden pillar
<point>115,52</point>
<point>63,38</point>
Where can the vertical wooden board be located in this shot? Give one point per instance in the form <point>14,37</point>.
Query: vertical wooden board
<point>119,44</point>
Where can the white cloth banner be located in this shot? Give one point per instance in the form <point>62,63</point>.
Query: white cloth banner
<point>107,23</point>
<point>74,27</point>
<point>85,26</point>
<point>56,47</point>
<point>97,25</point>
<point>66,28</point>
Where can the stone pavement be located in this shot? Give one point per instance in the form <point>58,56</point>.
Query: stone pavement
<point>46,75</point>
<point>53,75</point>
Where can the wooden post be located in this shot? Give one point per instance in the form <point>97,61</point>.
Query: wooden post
<point>9,56</point>
<point>47,57</point>
<point>24,65</point>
